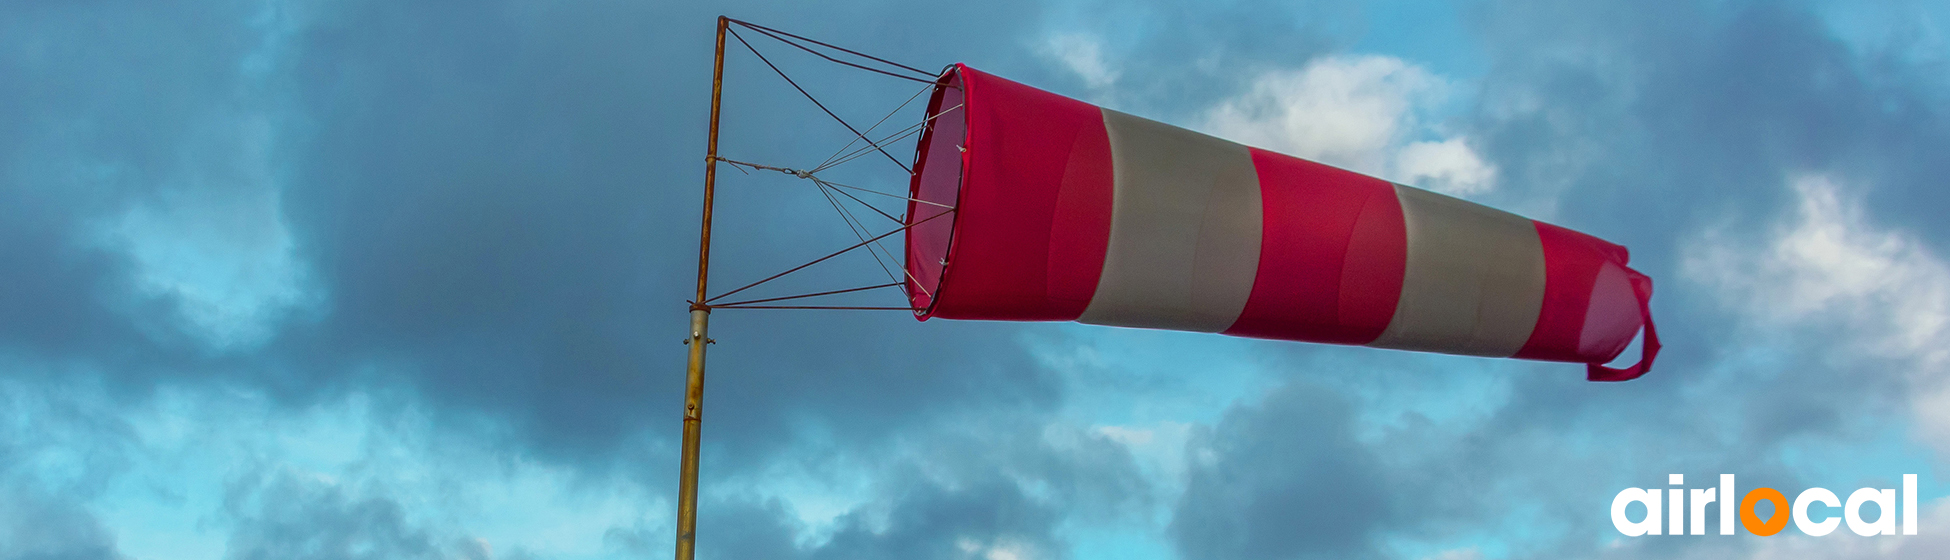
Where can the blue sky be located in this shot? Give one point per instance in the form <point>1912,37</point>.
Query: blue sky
<point>372,279</point>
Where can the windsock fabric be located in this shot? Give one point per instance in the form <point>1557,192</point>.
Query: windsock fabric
<point>1031,206</point>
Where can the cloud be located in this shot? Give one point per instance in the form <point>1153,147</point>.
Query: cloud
<point>1828,267</point>
<point>1174,58</point>
<point>1448,166</point>
<point>213,243</point>
<point>488,236</point>
<point>1361,112</point>
<point>1341,110</point>
<point>988,489</point>
<point>1828,262</point>
<point>1083,55</point>
<point>985,520</point>
<point>270,194</point>
<point>1261,486</point>
<point>285,515</point>
<point>56,452</point>
<point>39,527</point>
<point>96,123</point>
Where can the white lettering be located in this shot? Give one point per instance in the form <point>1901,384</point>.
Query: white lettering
<point>1727,507</point>
<point>1909,504</point>
<point>1810,496</point>
<point>1701,497</point>
<point>1647,526</point>
<point>1885,523</point>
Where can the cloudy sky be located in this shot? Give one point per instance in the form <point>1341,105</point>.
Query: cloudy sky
<point>377,279</point>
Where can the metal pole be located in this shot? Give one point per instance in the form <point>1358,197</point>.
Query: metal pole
<point>700,319</point>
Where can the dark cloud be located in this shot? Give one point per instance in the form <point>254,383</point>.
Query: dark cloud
<point>1177,58</point>
<point>741,530</point>
<point>97,104</point>
<point>56,453</point>
<point>925,520</point>
<point>1655,123</point>
<point>1655,120</point>
<point>1283,478</point>
<point>34,526</point>
<point>283,515</point>
<point>971,521</point>
<point>500,204</point>
<point>992,486</point>
<point>492,204</point>
<point>968,519</point>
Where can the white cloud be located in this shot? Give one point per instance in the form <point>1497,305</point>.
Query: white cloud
<point>1082,54</point>
<point>1830,266</point>
<point>1341,110</point>
<point>1356,112</point>
<point>1448,166</point>
<point>1002,549</point>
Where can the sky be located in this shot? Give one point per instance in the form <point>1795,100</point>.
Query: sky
<point>371,279</point>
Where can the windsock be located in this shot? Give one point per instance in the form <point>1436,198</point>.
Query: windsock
<point>1031,206</point>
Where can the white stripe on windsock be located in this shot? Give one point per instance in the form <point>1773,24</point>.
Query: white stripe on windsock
<point>1184,230</point>
<point>1474,283</point>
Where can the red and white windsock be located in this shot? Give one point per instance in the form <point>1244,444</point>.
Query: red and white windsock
<point>1031,206</point>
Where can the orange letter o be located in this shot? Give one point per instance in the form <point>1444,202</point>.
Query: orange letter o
<point>1774,523</point>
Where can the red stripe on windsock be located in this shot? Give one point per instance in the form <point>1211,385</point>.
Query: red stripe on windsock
<point>1331,257</point>
<point>1033,218</point>
<point>1572,263</point>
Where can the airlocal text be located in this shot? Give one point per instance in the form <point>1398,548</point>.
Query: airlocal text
<point>1677,513</point>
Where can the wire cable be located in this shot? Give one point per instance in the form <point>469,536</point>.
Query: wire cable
<point>829,256</point>
<point>769,31</point>
<point>815,100</point>
<point>876,124</point>
<point>803,296</point>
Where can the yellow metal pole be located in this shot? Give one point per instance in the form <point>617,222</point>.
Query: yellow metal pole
<point>700,319</point>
